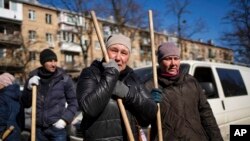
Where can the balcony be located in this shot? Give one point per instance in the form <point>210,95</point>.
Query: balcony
<point>70,47</point>
<point>11,65</point>
<point>11,39</point>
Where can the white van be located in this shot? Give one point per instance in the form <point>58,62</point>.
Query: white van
<point>227,88</point>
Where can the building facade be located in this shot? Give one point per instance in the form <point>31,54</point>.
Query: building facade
<point>27,27</point>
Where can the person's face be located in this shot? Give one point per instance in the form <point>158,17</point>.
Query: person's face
<point>50,65</point>
<point>170,64</point>
<point>120,54</point>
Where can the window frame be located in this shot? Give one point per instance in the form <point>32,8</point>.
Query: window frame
<point>32,15</point>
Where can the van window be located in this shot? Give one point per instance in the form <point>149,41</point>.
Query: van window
<point>232,82</point>
<point>205,77</point>
<point>184,68</point>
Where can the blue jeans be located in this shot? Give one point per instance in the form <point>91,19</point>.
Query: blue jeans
<point>51,134</point>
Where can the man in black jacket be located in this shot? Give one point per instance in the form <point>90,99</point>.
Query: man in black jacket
<point>101,84</point>
<point>185,112</point>
<point>56,98</point>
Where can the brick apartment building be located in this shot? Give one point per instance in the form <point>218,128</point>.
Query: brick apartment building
<point>27,27</point>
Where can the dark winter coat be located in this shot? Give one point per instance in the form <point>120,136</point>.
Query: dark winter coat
<point>185,112</point>
<point>10,109</point>
<point>101,115</point>
<point>52,95</point>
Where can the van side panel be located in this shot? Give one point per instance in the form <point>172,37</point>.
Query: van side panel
<point>230,108</point>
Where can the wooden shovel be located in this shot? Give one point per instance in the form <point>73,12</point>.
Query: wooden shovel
<point>159,128</point>
<point>119,101</point>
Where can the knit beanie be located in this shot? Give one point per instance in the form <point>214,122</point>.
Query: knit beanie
<point>167,49</point>
<point>118,39</point>
<point>6,79</point>
<point>47,55</point>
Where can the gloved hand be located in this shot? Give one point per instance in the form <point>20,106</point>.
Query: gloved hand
<point>60,124</point>
<point>156,95</point>
<point>110,64</point>
<point>120,90</point>
<point>33,81</point>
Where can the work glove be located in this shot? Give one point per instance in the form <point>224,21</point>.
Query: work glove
<point>120,90</point>
<point>33,81</point>
<point>60,124</point>
<point>110,64</point>
<point>156,95</point>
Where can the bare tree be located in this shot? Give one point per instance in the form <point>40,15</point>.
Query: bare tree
<point>184,28</point>
<point>123,13</point>
<point>239,35</point>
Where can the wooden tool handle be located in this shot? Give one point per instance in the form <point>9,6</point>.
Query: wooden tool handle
<point>120,104</point>
<point>159,128</point>
<point>33,116</point>
<point>7,132</point>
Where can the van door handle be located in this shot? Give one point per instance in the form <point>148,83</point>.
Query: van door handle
<point>223,105</point>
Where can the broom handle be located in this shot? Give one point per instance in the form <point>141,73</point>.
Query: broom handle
<point>7,132</point>
<point>33,116</point>
<point>119,101</point>
<point>159,128</point>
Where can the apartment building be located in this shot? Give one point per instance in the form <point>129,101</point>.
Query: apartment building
<point>39,31</point>
<point>74,40</point>
<point>11,18</point>
<point>205,51</point>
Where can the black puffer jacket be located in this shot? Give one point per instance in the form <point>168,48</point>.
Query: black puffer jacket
<point>101,116</point>
<point>185,112</point>
<point>52,95</point>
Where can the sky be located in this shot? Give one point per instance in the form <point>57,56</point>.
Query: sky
<point>211,11</point>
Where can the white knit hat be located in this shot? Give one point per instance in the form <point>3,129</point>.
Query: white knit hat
<point>118,39</point>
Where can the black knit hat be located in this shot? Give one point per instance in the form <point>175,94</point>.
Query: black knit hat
<point>47,55</point>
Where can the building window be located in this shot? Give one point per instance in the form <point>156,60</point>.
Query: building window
<point>32,55</point>
<point>32,15</point>
<point>69,58</point>
<point>48,18</point>
<point>69,37</point>
<point>6,5</point>
<point>145,53</point>
<point>75,20</point>
<point>2,53</point>
<point>65,36</point>
<point>32,35</point>
<point>97,45</point>
<point>13,6</point>
<point>1,3</point>
<point>49,37</point>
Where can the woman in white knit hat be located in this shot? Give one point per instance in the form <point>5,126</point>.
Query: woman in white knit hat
<point>10,108</point>
<point>101,84</point>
